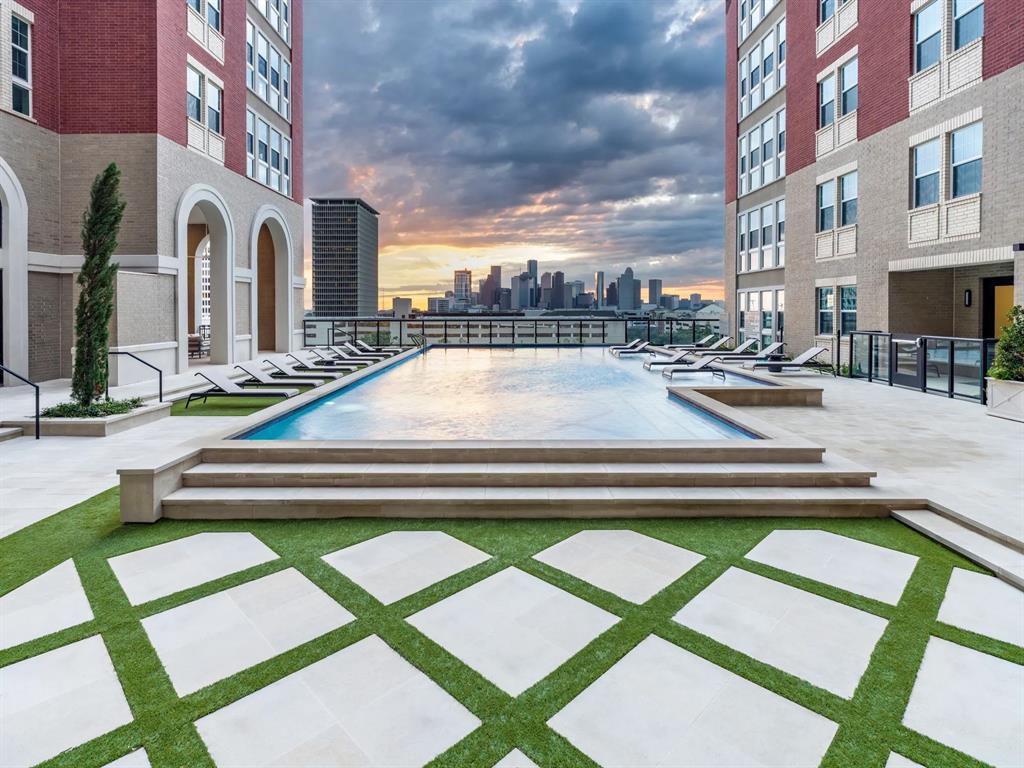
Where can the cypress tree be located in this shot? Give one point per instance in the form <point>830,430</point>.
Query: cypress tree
<point>100,225</point>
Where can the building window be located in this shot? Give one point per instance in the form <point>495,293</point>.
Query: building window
<point>826,9</point>
<point>927,37</point>
<point>826,101</point>
<point>847,309</point>
<point>262,66</point>
<point>826,311</point>
<point>250,144</point>
<point>780,35</point>
<point>250,55</point>
<point>780,232</point>
<point>213,13</point>
<point>21,66</point>
<point>968,22</point>
<point>213,109</point>
<point>754,238</point>
<point>826,206</point>
<point>848,199</point>
<point>848,87</point>
<point>926,173</point>
<point>269,154</point>
<point>194,99</point>
<point>277,13</point>
<point>196,5</point>
<point>965,157</point>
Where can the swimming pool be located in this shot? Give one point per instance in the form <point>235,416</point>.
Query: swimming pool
<point>503,394</point>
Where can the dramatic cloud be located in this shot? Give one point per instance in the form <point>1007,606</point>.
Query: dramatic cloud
<point>585,134</point>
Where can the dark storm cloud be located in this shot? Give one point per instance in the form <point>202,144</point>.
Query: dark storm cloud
<point>591,126</point>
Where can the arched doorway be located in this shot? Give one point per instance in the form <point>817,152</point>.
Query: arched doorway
<point>205,249</point>
<point>271,248</point>
<point>13,273</point>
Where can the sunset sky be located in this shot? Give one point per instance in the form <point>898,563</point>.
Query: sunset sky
<point>586,134</point>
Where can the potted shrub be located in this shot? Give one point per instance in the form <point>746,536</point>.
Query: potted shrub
<point>1006,376</point>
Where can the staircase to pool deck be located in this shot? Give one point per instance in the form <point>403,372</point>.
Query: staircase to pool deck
<point>437,480</point>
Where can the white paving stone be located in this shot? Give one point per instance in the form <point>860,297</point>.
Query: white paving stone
<point>46,604</point>
<point>136,759</point>
<point>362,706</point>
<point>663,706</point>
<point>856,566</point>
<point>58,700</point>
<point>626,563</point>
<point>899,761</point>
<point>216,636</point>
<point>400,563</point>
<point>513,628</point>
<point>147,574</point>
<point>819,640</point>
<point>984,604</point>
<point>515,759</point>
<point>970,701</point>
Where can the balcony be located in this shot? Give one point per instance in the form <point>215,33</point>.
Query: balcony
<point>832,29</point>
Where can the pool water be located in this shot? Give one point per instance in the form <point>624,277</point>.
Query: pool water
<point>505,394</point>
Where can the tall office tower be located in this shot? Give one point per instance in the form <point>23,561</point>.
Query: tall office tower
<point>462,296</point>
<point>654,292</point>
<point>577,288</point>
<point>439,304</point>
<point>209,146</point>
<point>612,294</point>
<point>488,292</point>
<point>694,299</point>
<point>504,299</point>
<point>545,280</point>
<point>401,307</point>
<point>628,290</point>
<point>344,257</point>
<point>531,267</point>
<point>558,290</point>
<point>937,138</point>
<point>522,291</point>
<point>599,288</point>
<point>669,301</point>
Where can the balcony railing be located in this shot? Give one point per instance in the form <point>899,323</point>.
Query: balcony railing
<point>506,331</point>
<point>948,365</point>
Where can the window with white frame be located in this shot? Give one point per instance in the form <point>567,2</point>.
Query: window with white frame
<point>250,55</point>
<point>780,233</point>
<point>762,153</point>
<point>262,67</point>
<point>965,160</point>
<point>21,66</point>
<point>848,87</point>
<point>926,172</point>
<point>278,13</point>
<point>927,35</point>
<point>826,311</point>
<point>762,70</point>
<point>195,5</point>
<point>968,22</point>
<point>213,14</point>
<point>826,101</point>
<point>761,237</point>
<point>268,72</point>
<point>194,95</point>
<point>780,39</point>
<point>848,199</point>
<point>847,309</point>
<point>826,206</point>
<point>268,154</point>
<point>768,150</point>
<point>214,113</point>
<point>827,9</point>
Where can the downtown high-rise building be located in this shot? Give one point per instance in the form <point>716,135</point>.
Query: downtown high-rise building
<point>558,291</point>
<point>628,290</point>
<point>531,268</point>
<point>463,294</point>
<point>654,292</point>
<point>344,257</point>
<point>599,288</point>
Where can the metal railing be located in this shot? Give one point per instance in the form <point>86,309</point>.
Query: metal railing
<point>32,384</point>
<point>506,331</point>
<point>949,365</point>
<point>159,373</point>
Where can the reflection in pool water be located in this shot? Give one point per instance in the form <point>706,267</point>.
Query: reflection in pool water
<point>507,394</point>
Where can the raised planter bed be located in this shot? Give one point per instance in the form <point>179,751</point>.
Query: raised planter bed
<point>1005,399</point>
<point>98,427</point>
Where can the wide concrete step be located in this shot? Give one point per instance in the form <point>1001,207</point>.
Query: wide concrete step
<point>832,472</point>
<point>1006,562</point>
<point>9,433</point>
<point>232,502</point>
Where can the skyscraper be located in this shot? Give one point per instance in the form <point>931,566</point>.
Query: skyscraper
<point>463,295</point>
<point>558,291</point>
<point>612,294</point>
<point>654,292</point>
<point>628,290</point>
<point>522,291</point>
<point>599,288</point>
<point>344,257</point>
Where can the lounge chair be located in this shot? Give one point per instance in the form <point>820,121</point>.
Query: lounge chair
<point>307,361</point>
<point>344,352</point>
<point>258,376</point>
<point>740,350</point>
<point>619,347</point>
<point>699,344</point>
<point>770,352</point>
<point>367,348</point>
<point>700,365</point>
<point>639,349</point>
<point>225,387</point>
<point>284,369</point>
<point>802,362</point>
<point>676,359</point>
<point>723,340</point>
<point>367,352</point>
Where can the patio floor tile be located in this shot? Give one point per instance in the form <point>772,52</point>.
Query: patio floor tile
<point>663,706</point>
<point>58,700</point>
<point>899,761</point>
<point>216,636</point>
<point>515,759</point>
<point>345,710</point>
<point>401,563</point>
<point>136,759</point>
<point>628,564</point>
<point>46,604</point>
<point>970,701</point>
<point>147,574</point>
<point>856,566</point>
<point>819,640</point>
<point>985,605</point>
<point>512,628</point>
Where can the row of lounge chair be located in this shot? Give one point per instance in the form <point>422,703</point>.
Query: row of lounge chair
<point>306,367</point>
<point>686,358</point>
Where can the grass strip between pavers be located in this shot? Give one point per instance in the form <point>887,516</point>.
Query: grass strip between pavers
<point>869,723</point>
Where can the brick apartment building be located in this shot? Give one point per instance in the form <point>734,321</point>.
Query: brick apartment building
<point>200,104</point>
<point>892,204</point>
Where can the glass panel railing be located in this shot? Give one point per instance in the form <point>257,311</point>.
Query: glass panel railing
<point>860,354</point>
<point>880,358</point>
<point>967,373</point>
<point>547,332</point>
<point>636,329</point>
<point>936,365</point>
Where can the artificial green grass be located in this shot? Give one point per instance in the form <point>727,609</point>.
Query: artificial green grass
<point>231,406</point>
<point>95,410</point>
<point>869,723</point>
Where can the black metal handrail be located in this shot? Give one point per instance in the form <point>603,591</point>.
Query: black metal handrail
<point>159,373</point>
<point>31,384</point>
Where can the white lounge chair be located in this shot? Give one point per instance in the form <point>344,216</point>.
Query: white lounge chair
<point>801,362</point>
<point>640,348</point>
<point>258,376</point>
<point>676,359</point>
<point>307,360</point>
<point>347,352</point>
<point>722,341</point>
<point>618,347</point>
<point>771,351</point>
<point>287,370</point>
<point>367,348</point>
<point>740,350</point>
<point>700,365</point>
<point>383,353</point>
<point>699,344</point>
<point>225,387</point>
